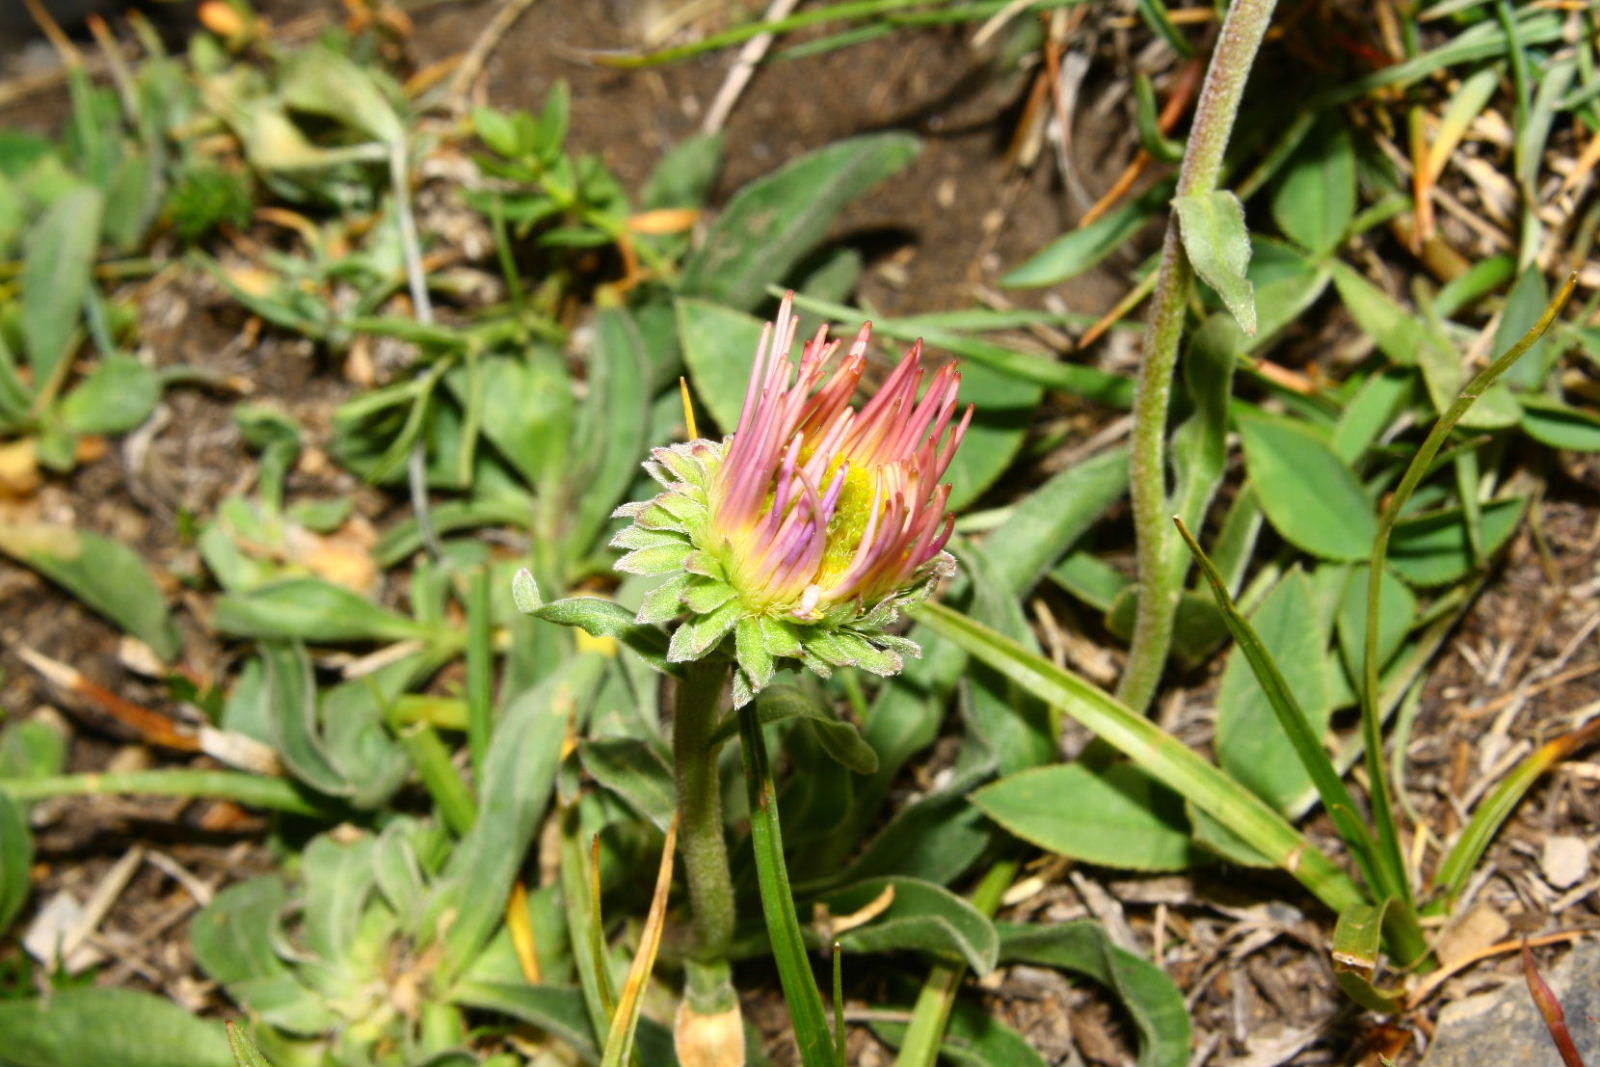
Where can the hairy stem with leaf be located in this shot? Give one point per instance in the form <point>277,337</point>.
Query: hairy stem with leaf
<point>1162,563</point>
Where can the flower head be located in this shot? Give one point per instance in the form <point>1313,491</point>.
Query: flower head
<point>804,533</point>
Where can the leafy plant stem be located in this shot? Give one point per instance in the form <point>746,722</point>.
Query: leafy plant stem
<point>255,790</point>
<point>703,848</point>
<point>1162,566</point>
<point>931,1014</point>
<point>1389,854</point>
<point>810,1019</point>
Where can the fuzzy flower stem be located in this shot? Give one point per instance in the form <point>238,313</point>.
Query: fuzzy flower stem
<point>700,837</point>
<point>1162,564</point>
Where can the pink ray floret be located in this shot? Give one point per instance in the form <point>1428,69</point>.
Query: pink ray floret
<point>817,504</point>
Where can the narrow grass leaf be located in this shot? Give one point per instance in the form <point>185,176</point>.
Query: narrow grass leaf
<point>1356,939</point>
<point>1273,704</point>
<point>1371,695</point>
<point>806,1010</point>
<point>1462,859</point>
<point>16,859</point>
<point>1081,249</point>
<point>1164,757</point>
<point>1397,614</point>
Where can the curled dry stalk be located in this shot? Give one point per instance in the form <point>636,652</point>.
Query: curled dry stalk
<point>1163,565</point>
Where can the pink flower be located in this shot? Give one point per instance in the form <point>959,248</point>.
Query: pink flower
<point>806,531</point>
<point>817,504</point>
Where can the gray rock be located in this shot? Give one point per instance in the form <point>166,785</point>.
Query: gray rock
<point>1504,1027</point>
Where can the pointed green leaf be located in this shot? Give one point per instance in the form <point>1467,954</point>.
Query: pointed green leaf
<point>1218,247</point>
<point>311,609</point>
<point>55,277</point>
<point>1153,1001</point>
<point>106,575</point>
<point>770,224</point>
<point>117,396</point>
<point>755,659</point>
<point>1251,745</point>
<point>1316,198</point>
<point>921,916</point>
<point>87,1025</point>
<point>1115,817</point>
<point>1312,498</point>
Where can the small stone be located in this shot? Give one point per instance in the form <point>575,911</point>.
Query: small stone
<point>1504,1027</point>
<point>1565,861</point>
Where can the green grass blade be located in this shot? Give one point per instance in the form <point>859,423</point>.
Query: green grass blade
<point>1160,754</point>
<point>252,790</point>
<point>480,670</point>
<point>1485,822</point>
<point>1292,718</point>
<point>594,977</point>
<point>444,783</point>
<point>838,1004</point>
<point>1355,955</point>
<point>851,9</point>
<point>1421,463</point>
<point>811,1030</point>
